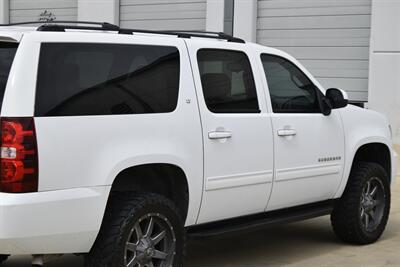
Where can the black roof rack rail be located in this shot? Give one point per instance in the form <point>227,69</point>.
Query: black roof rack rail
<point>62,25</point>
<point>188,34</point>
<point>208,34</point>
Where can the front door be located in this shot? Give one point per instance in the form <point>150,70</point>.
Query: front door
<point>237,132</point>
<point>309,147</point>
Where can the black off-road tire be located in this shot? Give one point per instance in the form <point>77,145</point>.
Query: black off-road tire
<point>3,258</point>
<point>346,218</point>
<point>123,211</point>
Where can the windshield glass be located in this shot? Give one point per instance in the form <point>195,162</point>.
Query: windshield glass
<point>7,53</point>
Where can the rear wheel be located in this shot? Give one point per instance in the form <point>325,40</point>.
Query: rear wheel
<point>361,215</point>
<point>3,258</point>
<point>139,231</point>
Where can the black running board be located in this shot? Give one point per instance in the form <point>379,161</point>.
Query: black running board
<point>261,220</point>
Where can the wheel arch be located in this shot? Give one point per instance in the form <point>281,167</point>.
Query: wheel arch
<point>376,150</point>
<point>166,179</point>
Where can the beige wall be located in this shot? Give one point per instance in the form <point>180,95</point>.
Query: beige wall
<point>384,74</point>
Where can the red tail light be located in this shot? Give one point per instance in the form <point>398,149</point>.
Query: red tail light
<point>19,158</point>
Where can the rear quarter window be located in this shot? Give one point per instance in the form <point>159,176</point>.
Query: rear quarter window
<point>78,79</point>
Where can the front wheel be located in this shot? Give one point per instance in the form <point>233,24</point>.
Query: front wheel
<point>139,231</point>
<point>361,215</point>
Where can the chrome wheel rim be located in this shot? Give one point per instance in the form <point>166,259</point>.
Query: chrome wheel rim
<point>151,242</point>
<point>372,204</point>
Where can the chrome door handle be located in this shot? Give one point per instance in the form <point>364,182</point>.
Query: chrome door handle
<point>287,132</point>
<point>219,135</point>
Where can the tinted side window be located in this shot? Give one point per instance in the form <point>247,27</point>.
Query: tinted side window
<point>7,53</point>
<point>290,89</point>
<point>103,79</point>
<point>227,81</point>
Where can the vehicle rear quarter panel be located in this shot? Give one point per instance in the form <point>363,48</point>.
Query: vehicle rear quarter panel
<point>19,96</point>
<point>90,151</point>
<point>362,126</point>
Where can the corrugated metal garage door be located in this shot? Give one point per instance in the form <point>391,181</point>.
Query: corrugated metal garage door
<point>33,10</point>
<point>163,14</point>
<point>330,37</point>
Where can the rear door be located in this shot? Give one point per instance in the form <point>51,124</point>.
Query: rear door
<point>237,133</point>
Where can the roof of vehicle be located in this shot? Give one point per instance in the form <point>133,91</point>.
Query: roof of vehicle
<point>16,30</point>
<point>14,33</point>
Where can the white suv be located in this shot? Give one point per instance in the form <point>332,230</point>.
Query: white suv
<point>118,143</point>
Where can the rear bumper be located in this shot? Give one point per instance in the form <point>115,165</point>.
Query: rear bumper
<point>62,221</point>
